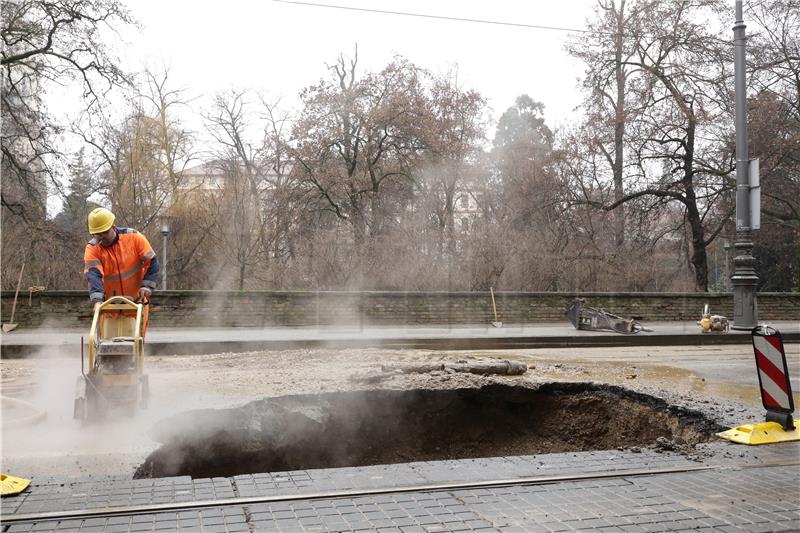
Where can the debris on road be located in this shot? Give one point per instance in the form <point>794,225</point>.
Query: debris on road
<point>591,319</point>
<point>497,366</point>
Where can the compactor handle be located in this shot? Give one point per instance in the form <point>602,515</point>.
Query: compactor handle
<point>116,303</point>
<point>113,304</point>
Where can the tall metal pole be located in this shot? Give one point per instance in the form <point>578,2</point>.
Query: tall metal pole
<point>165,234</point>
<point>164,264</point>
<point>744,277</point>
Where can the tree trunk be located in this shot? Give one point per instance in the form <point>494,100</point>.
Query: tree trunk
<point>619,130</point>
<point>699,257</point>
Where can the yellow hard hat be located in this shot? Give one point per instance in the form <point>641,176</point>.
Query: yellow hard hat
<point>100,220</point>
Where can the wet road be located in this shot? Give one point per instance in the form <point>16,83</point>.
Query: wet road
<point>723,364</point>
<point>60,446</point>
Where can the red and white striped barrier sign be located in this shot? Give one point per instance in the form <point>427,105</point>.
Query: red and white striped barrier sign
<point>776,394</point>
<point>773,374</point>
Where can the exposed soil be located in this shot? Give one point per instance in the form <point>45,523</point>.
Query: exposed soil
<point>390,426</point>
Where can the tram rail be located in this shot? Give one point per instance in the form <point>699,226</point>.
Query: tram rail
<point>108,512</point>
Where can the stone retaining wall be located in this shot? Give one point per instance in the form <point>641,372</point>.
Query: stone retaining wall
<point>301,308</point>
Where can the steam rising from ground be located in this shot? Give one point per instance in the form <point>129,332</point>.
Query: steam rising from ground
<point>390,426</point>
<point>61,446</point>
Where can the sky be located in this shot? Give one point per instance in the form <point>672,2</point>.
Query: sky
<point>279,48</point>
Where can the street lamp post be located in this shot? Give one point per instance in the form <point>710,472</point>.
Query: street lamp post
<point>744,277</point>
<point>727,265</point>
<point>165,234</point>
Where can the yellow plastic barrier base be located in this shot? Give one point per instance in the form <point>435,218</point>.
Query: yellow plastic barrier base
<point>761,433</point>
<point>13,485</point>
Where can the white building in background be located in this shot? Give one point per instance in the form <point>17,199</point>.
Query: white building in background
<point>213,175</point>
<point>467,208</point>
<point>203,177</point>
<point>210,178</point>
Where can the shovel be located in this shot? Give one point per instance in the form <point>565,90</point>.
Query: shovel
<point>11,326</point>
<point>496,322</point>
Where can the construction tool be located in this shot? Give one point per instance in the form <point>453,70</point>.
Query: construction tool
<point>713,323</point>
<point>11,326</point>
<point>115,380</point>
<point>589,318</point>
<point>496,322</point>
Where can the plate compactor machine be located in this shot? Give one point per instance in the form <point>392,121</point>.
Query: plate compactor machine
<point>115,381</point>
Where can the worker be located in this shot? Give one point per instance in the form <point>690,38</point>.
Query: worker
<point>119,262</point>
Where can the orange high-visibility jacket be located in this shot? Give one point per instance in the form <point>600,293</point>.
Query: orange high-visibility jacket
<point>120,269</point>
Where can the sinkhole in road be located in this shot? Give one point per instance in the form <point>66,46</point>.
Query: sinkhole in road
<point>395,426</point>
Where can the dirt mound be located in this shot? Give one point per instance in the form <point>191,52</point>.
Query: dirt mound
<point>391,426</point>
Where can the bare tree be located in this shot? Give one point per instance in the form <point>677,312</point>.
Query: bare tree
<point>43,43</point>
<point>454,131</point>
<point>528,205</point>
<point>776,79</point>
<point>143,156</point>
<point>356,141</point>
<point>774,128</point>
<point>607,52</point>
<point>46,43</point>
<point>176,144</point>
<point>282,204</point>
<point>682,153</point>
<point>241,221</point>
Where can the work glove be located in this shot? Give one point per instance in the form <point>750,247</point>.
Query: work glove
<point>143,296</point>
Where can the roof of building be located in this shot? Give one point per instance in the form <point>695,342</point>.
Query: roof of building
<point>218,168</point>
<point>213,168</point>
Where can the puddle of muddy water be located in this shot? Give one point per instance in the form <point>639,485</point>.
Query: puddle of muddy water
<point>391,426</point>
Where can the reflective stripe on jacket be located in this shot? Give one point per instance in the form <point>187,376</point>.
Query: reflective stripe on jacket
<point>122,268</point>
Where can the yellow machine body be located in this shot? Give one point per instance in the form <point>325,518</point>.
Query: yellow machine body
<point>761,433</point>
<point>115,377</point>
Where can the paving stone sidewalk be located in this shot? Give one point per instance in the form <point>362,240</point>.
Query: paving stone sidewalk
<point>762,497</point>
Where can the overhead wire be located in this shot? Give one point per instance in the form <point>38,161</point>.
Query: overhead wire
<point>442,17</point>
<point>466,19</point>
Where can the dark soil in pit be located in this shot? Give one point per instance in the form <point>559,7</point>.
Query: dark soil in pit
<point>389,426</point>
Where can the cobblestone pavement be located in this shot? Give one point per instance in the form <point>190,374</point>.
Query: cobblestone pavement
<point>735,488</point>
